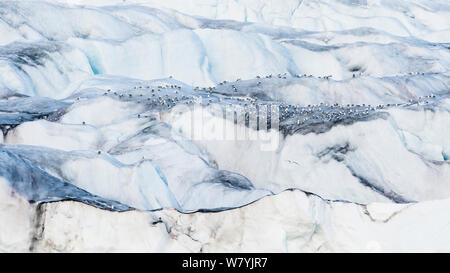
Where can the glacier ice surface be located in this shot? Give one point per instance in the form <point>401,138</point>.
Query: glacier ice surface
<point>100,103</point>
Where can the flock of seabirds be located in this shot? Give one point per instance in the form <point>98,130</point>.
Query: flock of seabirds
<point>246,97</point>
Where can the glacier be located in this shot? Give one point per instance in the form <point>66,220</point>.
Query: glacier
<point>224,126</point>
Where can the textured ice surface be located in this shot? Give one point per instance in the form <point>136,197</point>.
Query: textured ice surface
<point>289,222</point>
<point>101,102</point>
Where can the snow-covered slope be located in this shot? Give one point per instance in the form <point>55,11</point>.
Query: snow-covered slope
<point>148,109</point>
